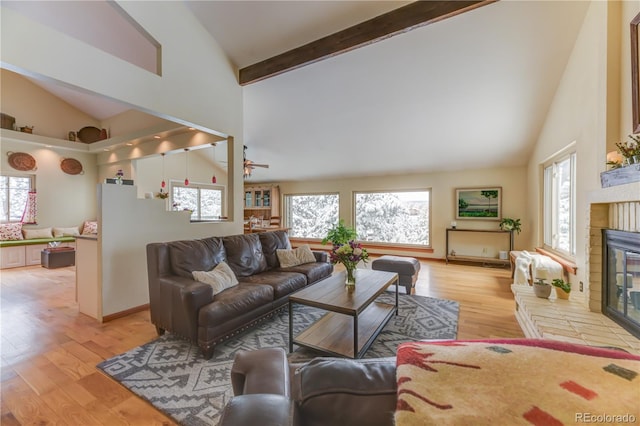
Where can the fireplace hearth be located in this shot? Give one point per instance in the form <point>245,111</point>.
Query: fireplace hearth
<point>621,278</point>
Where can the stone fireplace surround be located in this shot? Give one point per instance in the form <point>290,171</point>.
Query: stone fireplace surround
<point>580,319</point>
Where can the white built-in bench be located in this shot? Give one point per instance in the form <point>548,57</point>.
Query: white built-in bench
<point>17,253</point>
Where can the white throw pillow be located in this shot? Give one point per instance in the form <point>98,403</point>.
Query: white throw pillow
<point>295,257</point>
<point>66,232</point>
<point>219,278</point>
<point>30,234</point>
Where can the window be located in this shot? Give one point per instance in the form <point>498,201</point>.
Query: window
<point>393,217</point>
<point>311,216</point>
<point>205,201</point>
<point>14,198</point>
<point>559,204</point>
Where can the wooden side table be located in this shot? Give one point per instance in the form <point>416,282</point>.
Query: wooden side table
<point>58,257</point>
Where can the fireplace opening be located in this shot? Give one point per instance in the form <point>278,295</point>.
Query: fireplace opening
<point>621,278</point>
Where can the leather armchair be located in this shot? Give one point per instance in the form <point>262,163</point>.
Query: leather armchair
<point>322,392</point>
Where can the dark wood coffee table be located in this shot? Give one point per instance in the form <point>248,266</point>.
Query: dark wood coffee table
<point>354,319</point>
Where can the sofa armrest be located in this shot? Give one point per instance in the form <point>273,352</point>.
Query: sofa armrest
<point>259,409</point>
<point>177,305</point>
<point>264,371</point>
<point>321,256</point>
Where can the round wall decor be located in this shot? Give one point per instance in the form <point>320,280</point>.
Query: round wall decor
<point>89,134</point>
<point>21,161</point>
<point>71,166</point>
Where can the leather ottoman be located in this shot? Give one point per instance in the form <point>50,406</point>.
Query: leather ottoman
<point>58,257</point>
<point>406,267</point>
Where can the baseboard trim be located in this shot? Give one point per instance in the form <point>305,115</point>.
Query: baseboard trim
<point>121,314</point>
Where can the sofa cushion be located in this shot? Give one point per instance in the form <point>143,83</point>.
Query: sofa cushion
<point>64,232</point>
<point>283,283</point>
<point>295,257</point>
<point>358,392</point>
<point>235,301</point>
<point>219,278</point>
<point>272,241</point>
<point>11,231</point>
<point>195,255</point>
<point>313,271</point>
<point>36,233</point>
<point>244,254</point>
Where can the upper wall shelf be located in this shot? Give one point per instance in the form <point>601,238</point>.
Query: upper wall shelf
<point>13,136</point>
<point>110,144</point>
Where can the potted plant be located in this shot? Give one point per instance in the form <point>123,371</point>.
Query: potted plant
<point>630,150</point>
<point>541,288</point>
<point>508,224</point>
<point>562,288</point>
<point>345,249</point>
<point>340,234</point>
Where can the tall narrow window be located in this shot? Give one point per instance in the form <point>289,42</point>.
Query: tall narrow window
<point>400,217</point>
<point>15,199</point>
<point>559,207</point>
<point>312,215</point>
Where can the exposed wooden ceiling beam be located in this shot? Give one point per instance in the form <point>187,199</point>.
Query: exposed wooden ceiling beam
<point>397,21</point>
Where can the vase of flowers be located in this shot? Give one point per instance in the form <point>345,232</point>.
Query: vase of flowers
<point>346,250</point>
<point>349,254</point>
<point>119,176</point>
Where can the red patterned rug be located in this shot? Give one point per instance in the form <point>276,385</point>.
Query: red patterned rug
<point>515,382</point>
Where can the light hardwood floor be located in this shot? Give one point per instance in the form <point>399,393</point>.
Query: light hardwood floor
<point>49,351</point>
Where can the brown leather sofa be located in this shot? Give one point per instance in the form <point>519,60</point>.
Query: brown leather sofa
<point>323,392</point>
<point>188,308</point>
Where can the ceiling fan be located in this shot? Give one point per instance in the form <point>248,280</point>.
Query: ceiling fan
<point>249,165</point>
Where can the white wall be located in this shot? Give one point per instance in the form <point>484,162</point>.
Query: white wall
<point>578,114</point>
<point>63,200</point>
<point>442,185</point>
<point>586,109</point>
<point>126,230</point>
<point>30,105</point>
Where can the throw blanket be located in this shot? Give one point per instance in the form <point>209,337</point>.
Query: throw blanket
<point>541,265</point>
<point>515,382</point>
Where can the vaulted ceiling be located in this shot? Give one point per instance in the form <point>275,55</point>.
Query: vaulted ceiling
<point>470,91</point>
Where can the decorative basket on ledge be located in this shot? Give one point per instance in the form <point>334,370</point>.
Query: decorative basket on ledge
<point>7,121</point>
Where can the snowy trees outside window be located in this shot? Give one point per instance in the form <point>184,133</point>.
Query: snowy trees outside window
<point>393,217</point>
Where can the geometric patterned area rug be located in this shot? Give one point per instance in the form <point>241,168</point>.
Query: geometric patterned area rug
<point>172,375</point>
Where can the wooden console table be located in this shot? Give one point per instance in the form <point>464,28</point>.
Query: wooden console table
<point>481,259</point>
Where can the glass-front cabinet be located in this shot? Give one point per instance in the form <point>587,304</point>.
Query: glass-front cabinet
<point>257,198</point>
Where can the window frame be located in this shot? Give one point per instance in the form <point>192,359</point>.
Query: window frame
<point>4,217</point>
<point>429,245</point>
<point>198,185</point>
<point>286,217</point>
<point>550,202</point>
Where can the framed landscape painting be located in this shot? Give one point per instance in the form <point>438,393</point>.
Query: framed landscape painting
<point>479,203</point>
